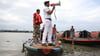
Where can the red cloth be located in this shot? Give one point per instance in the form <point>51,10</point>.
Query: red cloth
<point>58,45</point>
<point>37,18</point>
<point>46,51</point>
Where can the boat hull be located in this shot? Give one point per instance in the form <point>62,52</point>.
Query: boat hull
<point>33,51</point>
<point>83,42</point>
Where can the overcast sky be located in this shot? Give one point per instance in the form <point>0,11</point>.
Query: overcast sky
<point>82,14</point>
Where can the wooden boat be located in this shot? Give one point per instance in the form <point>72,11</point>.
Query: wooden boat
<point>85,38</point>
<point>39,50</point>
<point>82,42</point>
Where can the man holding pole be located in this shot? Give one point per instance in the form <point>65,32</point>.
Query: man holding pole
<point>72,32</point>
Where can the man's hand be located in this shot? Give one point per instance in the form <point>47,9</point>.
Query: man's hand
<point>53,7</point>
<point>50,12</point>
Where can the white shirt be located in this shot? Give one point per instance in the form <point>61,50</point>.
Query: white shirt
<point>45,10</point>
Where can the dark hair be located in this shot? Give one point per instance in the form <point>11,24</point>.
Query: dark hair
<point>38,10</point>
<point>54,24</point>
<point>46,2</point>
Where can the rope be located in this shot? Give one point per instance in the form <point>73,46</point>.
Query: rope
<point>55,14</point>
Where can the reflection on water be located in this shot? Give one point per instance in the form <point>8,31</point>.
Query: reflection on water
<point>11,45</point>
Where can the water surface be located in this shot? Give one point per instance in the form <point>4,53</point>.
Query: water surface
<point>11,45</point>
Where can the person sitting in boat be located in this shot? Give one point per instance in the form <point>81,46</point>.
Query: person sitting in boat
<point>36,25</point>
<point>48,24</point>
<point>72,32</point>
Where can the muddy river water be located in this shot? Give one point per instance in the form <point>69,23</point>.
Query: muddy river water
<point>11,45</point>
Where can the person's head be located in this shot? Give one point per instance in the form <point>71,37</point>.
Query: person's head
<point>72,26</point>
<point>38,11</point>
<point>54,25</point>
<point>46,3</point>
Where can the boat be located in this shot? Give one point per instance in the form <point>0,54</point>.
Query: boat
<point>82,37</point>
<point>36,49</point>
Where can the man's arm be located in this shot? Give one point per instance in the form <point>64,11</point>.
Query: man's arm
<point>50,12</point>
<point>57,31</point>
<point>34,17</point>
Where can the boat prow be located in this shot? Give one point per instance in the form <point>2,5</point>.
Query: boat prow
<point>39,50</point>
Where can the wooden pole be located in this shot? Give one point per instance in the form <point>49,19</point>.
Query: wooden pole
<point>72,33</point>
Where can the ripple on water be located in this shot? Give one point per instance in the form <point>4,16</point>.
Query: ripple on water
<point>80,50</point>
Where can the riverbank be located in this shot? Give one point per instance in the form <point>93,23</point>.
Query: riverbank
<point>19,31</point>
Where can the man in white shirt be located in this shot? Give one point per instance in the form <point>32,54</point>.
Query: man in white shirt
<point>48,24</point>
